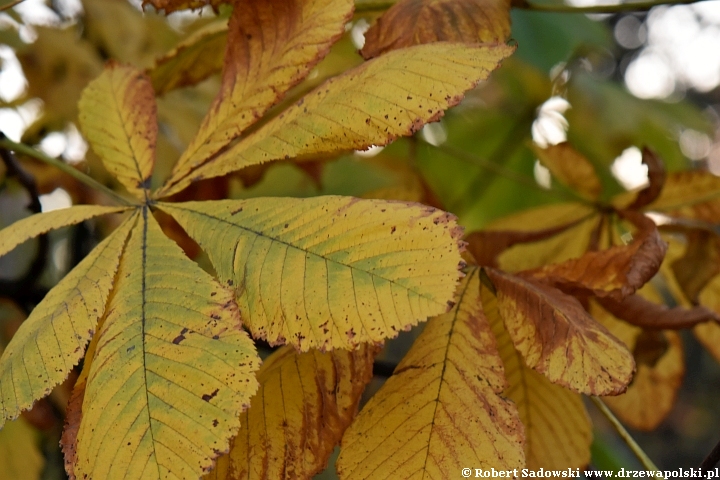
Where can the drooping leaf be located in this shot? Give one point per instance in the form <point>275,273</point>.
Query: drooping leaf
<point>373,104</point>
<point>271,46</point>
<point>691,194</point>
<point>557,337</point>
<point>40,223</point>
<point>20,456</point>
<point>558,432</point>
<point>414,22</point>
<point>699,264</point>
<point>193,60</point>
<point>615,272</point>
<point>53,338</point>
<point>641,312</point>
<point>571,168</point>
<point>656,179</point>
<point>328,272</point>
<point>708,334</point>
<point>171,371</point>
<point>651,395</point>
<point>441,409</point>
<point>119,118</point>
<point>304,404</point>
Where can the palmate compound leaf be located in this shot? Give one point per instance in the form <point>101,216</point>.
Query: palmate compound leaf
<point>441,410</point>
<point>558,432</point>
<point>304,404</point>
<point>385,98</point>
<point>118,117</point>
<point>53,338</point>
<point>328,272</point>
<point>651,395</point>
<point>413,22</point>
<point>171,370</point>
<point>557,337</point>
<point>271,46</point>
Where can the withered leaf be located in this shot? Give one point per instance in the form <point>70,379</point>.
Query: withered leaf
<point>641,312</point>
<point>557,337</point>
<point>656,177</point>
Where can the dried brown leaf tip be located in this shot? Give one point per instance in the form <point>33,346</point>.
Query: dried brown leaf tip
<point>414,22</point>
<point>656,179</point>
<point>615,272</point>
<point>557,337</point>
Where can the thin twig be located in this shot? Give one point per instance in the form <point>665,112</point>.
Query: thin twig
<point>6,143</point>
<point>627,438</point>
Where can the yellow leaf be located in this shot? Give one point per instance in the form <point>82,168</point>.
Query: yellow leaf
<point>690,194</point>
<point>708,334</point>
<point>544,217</point>
<point>40,223</point>
<point>413,22</point>
<point>271,46</point>
<point>304,404</point>
<point>193,60</point>
<point>651,395</point>
<point>557,337</point>
<point>53,338</point>
<point>558,432</point>
<point>20,457</point>
<point>391,96</point>
<point>118,117</point>
<point>571,168</point>
<point>328,272</point>
<point>171,371</point>
<point>441,410</point>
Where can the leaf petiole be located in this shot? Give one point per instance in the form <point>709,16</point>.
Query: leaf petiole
<point>625,435</point>
<point>78,175</point>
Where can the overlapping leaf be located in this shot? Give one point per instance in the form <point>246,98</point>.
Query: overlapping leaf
<point>304,404</point>
<point>271,46</point>
<point>692,194</point>
<point>53,338</point>
<point>372,104</point>
<point>169,6</point>
<point>557,337</point>
<point>558,432</point>
<point>193,60</point>
<point>118,116</point>
<point>328,272</point>
<point>171,370</point>
<point>442,409</point>
<point>414,22</point>
<point>571,168</point>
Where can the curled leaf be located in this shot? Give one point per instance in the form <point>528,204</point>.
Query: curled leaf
<point>442,407</point>
<point>299,414</point>
<point>414,22</point>
<point>557,337</point>
<point>615,272</point>
<point>328,272</point>
<point>641,312</point>
<point>656,177</point>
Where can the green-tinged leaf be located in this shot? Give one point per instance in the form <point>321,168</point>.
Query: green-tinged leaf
<point>571,168</point>
<point>328,272</point>
<point>304,404</point>
<point>171,371</point>
<point>40,223</point>
<point>414,22</point>
<point>441,410</point>
<point>558,432</point>
<point>557,337</point>
<point>193,60</point>
<point>53,338</point>
<point>119,117</point>
<point>391,96</point>
<point>271,46</point>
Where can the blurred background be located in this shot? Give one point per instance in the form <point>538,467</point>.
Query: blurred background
<point>609,83</point>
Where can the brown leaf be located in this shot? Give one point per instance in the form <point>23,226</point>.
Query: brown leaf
<point>616,272</point>
<point>557,337</point>
<point>693,194</point>
<point>646,314</point>
<point>656,177</point>
<point>699,264</point>
<point>571,168</point>
<point>413,22</point>
<point>304,404</point>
